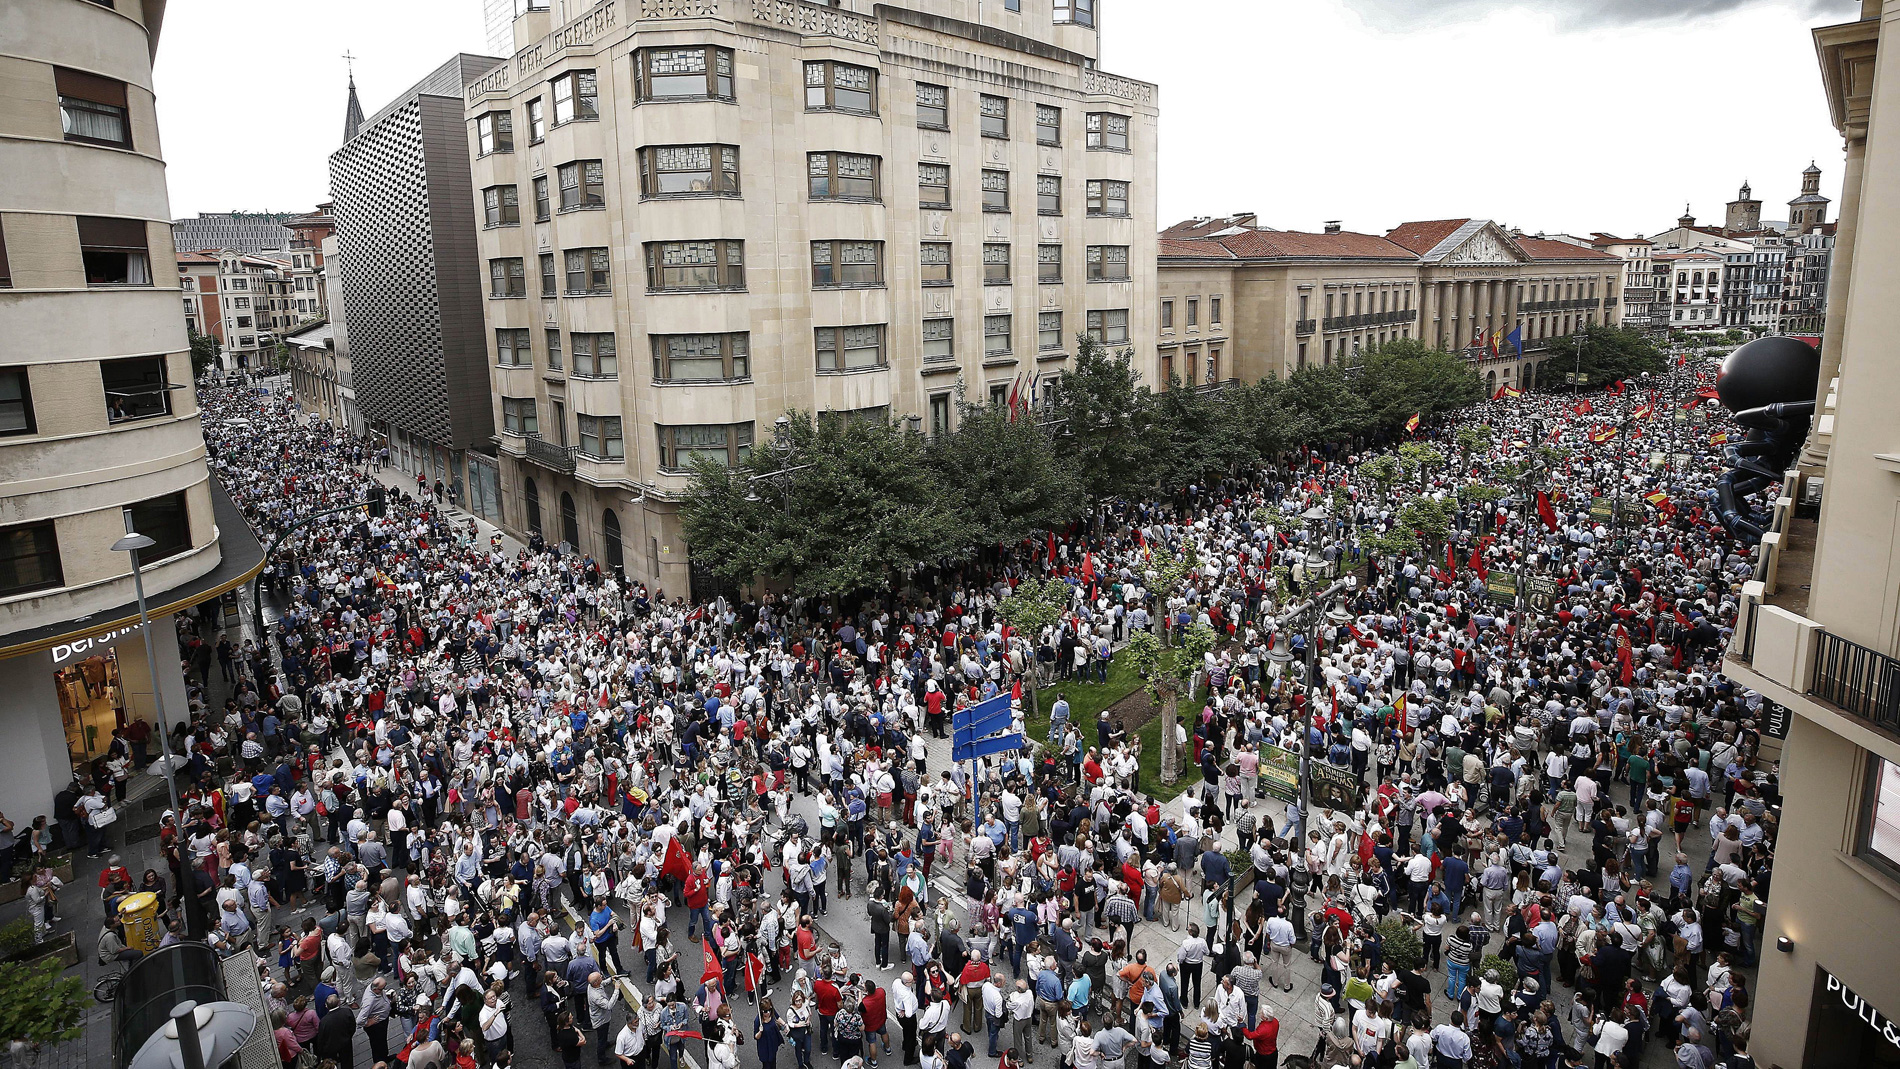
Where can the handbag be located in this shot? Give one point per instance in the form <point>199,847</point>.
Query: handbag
<point>104,816</point>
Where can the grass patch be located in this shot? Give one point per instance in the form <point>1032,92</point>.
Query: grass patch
<point>1088,699</point>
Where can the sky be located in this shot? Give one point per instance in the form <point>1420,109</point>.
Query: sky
<point>1548,115</point>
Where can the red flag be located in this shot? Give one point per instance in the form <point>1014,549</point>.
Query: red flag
<point>1583,408</point>
<point>1088,567</point>
<point>1052,547</point>
<point>677,864</point>
<point>1451,562</point>
<point>1545,512</point>
<point>754,971</point>
<point>1602,434</point>
<point>712,972</point>
<point>1616,387</point>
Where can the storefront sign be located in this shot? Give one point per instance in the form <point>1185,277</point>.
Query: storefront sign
<point>1861,1008</point>
<point>86,647</point>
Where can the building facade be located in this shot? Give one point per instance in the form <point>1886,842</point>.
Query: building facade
<point>198,275</point>
<point>1692,295</point>
<point>98,422</point>
<point>411,278</point>
<point>241,232</point>
<point>1237,300</point>
<point>1819,633</point>
<point>310,295</point>
<point>1639,283</point>
<point>956,193</point>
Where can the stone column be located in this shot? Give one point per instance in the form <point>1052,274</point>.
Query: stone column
<point>1840,272</point>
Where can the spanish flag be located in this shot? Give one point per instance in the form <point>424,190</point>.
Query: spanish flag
<point>1411,425</point>
<point>1641,413</point>
<point>1656,498</point>
<point>1602,434</point>
<point>1719,438</point>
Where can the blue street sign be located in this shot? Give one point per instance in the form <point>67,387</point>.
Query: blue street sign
<point>988,725</point>
<point>983,717</point>
<point>995,744</point>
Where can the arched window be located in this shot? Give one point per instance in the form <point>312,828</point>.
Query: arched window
<point>611,552</point>
<point>533,494</point>
<point>570,523</point>
<point>1490,382</point>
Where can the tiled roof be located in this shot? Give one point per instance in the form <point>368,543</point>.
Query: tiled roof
<point>1285,244</point>
<point>1612,239</point>
<point>1200,247</point>
<point>1423,237</point>
<point>1200,227</point>
<point>197,258</point>
<point>1545,249</point>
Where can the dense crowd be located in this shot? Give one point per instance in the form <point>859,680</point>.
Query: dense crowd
<point>462,781</point>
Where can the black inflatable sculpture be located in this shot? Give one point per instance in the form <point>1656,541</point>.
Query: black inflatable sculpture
<point>1769,384</point>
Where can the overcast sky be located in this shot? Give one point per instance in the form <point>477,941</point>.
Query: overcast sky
<point>1551,115</point>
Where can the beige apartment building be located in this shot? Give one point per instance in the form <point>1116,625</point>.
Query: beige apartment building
<point>698,214</point>
<point>98,422</point>
<point>1819,629</point>
<point>1237,300</point>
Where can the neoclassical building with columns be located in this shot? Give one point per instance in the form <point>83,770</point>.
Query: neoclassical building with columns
<point>1289,299</point>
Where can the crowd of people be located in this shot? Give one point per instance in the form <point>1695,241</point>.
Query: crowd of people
<point>456,782</point>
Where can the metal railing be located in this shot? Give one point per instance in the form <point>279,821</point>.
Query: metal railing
<point>1861,682</point>
<point>551,456</point>
<point>1748,634</point>
<point>1304,326</point>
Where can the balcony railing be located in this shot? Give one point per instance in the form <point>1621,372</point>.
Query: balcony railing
<point>1304,326</point>
<point>1863,683</point>
<point>550,456</point>
<point>1558,306</point>
<point>1368,319</point>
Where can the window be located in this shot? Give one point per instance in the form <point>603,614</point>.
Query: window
<point>1109,327</point>
<point>995,191</point>
<point>537,122</point>
<point>575,97</point>
<point>995,264</point>
<point>167,522</point>
<point>1213,309</point>
<point>16,402</point>
<point>1213,365</point>
<point>550,281</point>
<point>940,341</point>
<point>999,394</point>
<point>600,437</point>
<point>500,206</point>
<point>533,496</point>
<point>1107,130</point>
<point>1109,263</point>
<point>135,388</point>
<point>1048,330</point>
<point>1048,125</point>
<point>994,113</point>
<point>834,86</point>
<point>29,558</point>
<point>722,443</point>
<point>518,417</point>
<point>588,271</point>
<point>1076,12</point>
<point>695,265</point>
<point>939,414</point>
<point>1048,194</point>
<point>933,106</point>
<point>1107,198</point>
<point>1880,813</point>
<point>842,176</point>
<point>511,347</point>
<point>582,185</point>
<point>495,132</point>
<point>847,263</point>
<point>996,330</point>
<point>1194,311</point>
<point>933,185</point>
<point>505,278</point>
<point>1167,315</point>
<point>686,170</point>
<point>114,251</point>
<point>594,355</point>
<point>554,349</point>
<point>683,73</point>
<point>934,259</point>
<point>701,357</point>
<point>610,539</point>
<point>541,210</point>
<point>849,348</point>
<point>1048,263</point>
<point>92,109</point>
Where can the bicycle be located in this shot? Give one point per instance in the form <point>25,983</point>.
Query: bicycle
<point>107,989</point>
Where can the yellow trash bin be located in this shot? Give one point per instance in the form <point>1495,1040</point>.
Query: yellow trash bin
<point>139,914</point>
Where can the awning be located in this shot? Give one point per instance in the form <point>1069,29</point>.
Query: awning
<point>242,559</point>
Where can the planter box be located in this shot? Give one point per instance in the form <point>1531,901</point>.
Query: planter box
<point>12,891</point>
<point>62,866</point>
<point>60,946</point>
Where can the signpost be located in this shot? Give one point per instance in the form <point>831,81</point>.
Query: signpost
<point>1542,593</point>
<point>1333,787</point>
<point>1501,587</point>
<point>977,732</point>
<point>1280,773</point>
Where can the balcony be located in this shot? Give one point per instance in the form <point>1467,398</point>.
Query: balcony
<point>553,457</point>
<point>1368,319</point>
<point>1558,306</point>
<point>1303,326</point>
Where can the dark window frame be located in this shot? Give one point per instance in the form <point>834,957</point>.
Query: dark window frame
<point>722,174</point>
<point>830,275</point>
<point>947,343</point>
<point>95,95</point>
<point>514,277</point>
<point>990,124</point>
<point>740,439</point>
<point>1048,133</point>
<point>513,347</point>
<point>832,180</point>
<point>1100,138</point>
<point>991,278</point>
<point>594,275</point>
<point>1100,203</point>
<point>1000,201</point>
<point>829,92</point>
<point>941,108</point>
<point>712,58</point>
<point>593,354</point>
<point>1045,332</point>
<point>132,377</point>
<point>166,520</point>
<point>1098,263</point>
<point>34,544</point>
<point>590,192</point>
<point>933,273</point>
<point>931,170</point>
<point>608,443</point>
<point>520,416</point>
<point>991,321</point>
<point>582,106</point>
<point>728,268</point>
<point>735,356</point>
<point>501,206</point>
<point>839,349</point>
<point>22,404</point>
<point>1044,263</point>
<point>494,133</point>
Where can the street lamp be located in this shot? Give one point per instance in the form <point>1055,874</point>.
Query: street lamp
<point>1308,617</point>
<point>132,543</point>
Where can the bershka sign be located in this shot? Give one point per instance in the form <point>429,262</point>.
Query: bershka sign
<point>67,651</point>
<point>1861,1008</point>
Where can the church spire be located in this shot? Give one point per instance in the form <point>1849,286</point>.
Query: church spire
<point>352,111</point>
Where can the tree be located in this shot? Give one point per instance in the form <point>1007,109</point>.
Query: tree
<point>1036,604</point>
<point>1106,414</point>
<point>1007,476</point>
<point>41,1007</point>
<point>1166,675</point>
<point>1383,470</point>
<point>1473,438</point>
<point>1418,458</point>
<point>835,506</point>
<point>204,352</point>
<point>1406,376</point>
<point>1323,405</point>
<point>1612,353</point>
<point>1428,517</point>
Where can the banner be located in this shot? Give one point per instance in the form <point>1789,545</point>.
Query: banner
<point>1279,773</point>
<point>1543,592</point>
<point>1501,587</point>
<point>1333,787</point>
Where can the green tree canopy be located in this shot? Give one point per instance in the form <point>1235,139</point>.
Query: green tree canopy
<point>1107,416</point>
<point>1009,478</point>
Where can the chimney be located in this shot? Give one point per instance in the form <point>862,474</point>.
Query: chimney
<point>1332,226</point>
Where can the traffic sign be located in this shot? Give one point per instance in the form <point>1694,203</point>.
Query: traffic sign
<point>984,718</point>
<point>995,744</point>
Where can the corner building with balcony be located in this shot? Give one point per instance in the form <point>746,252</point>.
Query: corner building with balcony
<point>699,214</point>
<point>97,415</point>
<point>1818,632</point>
